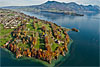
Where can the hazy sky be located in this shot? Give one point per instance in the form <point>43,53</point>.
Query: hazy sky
<point>37,2</point>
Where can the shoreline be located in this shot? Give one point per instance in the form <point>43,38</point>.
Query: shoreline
<point>53,53</point>
<point>54,62</point>
<point>65,13</point>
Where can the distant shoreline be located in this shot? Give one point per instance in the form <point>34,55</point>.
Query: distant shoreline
<point>65,13</point>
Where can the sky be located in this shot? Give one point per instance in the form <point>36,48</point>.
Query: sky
<point>37,2</point>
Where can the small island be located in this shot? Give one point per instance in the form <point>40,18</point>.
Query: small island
<point>28,36</point>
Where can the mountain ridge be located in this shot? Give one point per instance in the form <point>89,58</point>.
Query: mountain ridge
<point>54,5</point>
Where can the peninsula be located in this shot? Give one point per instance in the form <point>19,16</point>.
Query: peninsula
<point>28,36</point>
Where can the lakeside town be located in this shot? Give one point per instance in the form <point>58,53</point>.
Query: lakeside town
<point>11,19</point>
<point>31,37</point>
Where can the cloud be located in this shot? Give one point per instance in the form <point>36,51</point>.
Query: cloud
<point>20,2</point>
<point>37,2</point>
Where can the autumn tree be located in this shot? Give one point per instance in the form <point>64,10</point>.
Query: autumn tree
<point>65,46</point>
<point>46,40</point>
<point>14,48</point>
<point>44,28</point>
<point>34,41</point>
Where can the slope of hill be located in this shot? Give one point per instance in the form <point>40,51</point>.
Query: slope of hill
<point>54,6</point>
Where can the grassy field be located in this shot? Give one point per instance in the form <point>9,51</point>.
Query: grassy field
<point>4,35</point>
<point>38,29</point>
<point>38,26</point>
<point>4,31</point>
<point>40,41</point>
<point>10,14</point>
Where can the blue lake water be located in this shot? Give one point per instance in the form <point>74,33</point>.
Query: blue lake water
<point>84,49</point>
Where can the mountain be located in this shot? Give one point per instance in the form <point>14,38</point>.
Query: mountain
<point>58,6</point>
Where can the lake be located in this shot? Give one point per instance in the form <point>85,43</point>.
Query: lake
<point>85,46</point>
